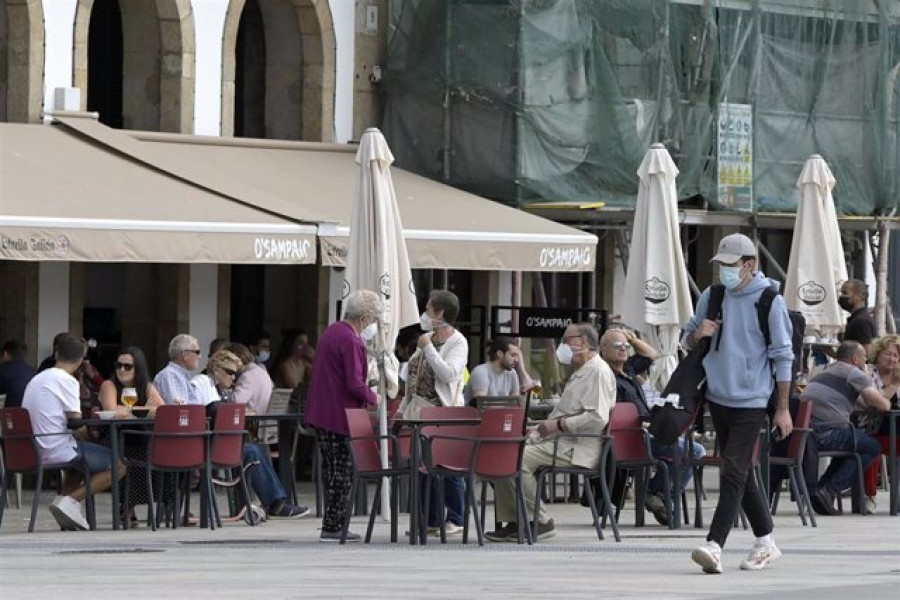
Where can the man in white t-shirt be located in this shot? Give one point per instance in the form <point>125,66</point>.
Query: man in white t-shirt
<point>51,399</point>
<point>498,376</point>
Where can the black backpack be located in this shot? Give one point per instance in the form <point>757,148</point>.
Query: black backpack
<point>668,422</point>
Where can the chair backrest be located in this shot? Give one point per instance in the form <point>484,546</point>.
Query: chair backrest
<point>451,453</point>
<point>226,446</point>
<point>486,402</point>
<point>279,401</point>
<point>801,421</point>
<point>19,454</point>
<point>363,444</point>
<point>500,459</point>
<point>183,452</point>
<point>629,442</point>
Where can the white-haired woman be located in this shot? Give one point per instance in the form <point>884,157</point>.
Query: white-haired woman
<point>339,382</point>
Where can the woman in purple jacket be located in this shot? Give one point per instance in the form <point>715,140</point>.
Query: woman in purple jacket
<point>339,382</point>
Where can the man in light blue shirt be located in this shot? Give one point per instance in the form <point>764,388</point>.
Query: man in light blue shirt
<point>174,381</point>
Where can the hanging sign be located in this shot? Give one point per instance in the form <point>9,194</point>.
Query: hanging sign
<point>735,156</point>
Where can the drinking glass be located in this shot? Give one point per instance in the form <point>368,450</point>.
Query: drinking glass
<point>129,397</point>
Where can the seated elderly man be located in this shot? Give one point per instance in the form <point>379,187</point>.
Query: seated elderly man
<point>583,408</point>
<point>174,381</point>
<point>834,393</point>
<point>51,398</point>
<point>614,349</point>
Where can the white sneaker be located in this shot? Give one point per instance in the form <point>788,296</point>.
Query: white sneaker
<point>870,505</point>
<point>67,512</point>
<point>451,528</point>
<point>709,556</point>
<point>760,556</point>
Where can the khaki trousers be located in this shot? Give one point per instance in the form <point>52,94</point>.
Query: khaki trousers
<point>539,455</point>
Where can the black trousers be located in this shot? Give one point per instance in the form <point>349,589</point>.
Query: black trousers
<point>737,430</point>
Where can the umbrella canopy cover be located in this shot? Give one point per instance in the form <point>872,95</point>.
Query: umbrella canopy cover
<point>817,268</point>
<point>656,284</point>
<point>377,257</point>
<point>657,299</point>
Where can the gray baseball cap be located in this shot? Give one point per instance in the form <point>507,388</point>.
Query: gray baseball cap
<point>733,247</point>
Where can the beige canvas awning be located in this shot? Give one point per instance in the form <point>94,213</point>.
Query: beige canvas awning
<point>66,196</point>
<point>445,228</point>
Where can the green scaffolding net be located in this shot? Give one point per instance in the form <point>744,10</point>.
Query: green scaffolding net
<point>557,100</point>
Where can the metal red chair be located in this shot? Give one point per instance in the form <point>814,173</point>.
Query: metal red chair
<point>631,452</point>
<point>794,464</point>
<point>491,451</point>
<point>367,466</point>
<point>226,455</point>
<point>178,444</point>
<point>20,452</point>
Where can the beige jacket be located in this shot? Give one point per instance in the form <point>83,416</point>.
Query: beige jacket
<point>587,399</point>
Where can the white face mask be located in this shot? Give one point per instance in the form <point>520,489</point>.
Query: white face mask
<point>425,322</point>
<point>564,354</point>
<point>369,331</point>
<point>262,356</point>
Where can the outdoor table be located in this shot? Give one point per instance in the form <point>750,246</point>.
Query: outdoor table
<point>113,425</point>
<point>285,469</point>
<point>415,426</point>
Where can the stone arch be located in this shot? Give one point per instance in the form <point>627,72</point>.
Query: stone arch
<point>300,73</point>
<point>21,60</point>
<point>158,62</point>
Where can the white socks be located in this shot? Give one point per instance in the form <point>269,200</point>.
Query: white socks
<point>766,540</point>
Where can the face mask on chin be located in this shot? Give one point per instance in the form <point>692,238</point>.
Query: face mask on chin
<point>730,277</point>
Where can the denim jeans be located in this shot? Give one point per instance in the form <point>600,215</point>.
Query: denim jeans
<point>97,457</point>
<point>737,430</point>
<point>454,499</point>
<point>842,471</point>
<point>669,452</point>
<point>263,479</point>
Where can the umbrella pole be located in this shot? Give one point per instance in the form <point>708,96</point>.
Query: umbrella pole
<point>382,430</point>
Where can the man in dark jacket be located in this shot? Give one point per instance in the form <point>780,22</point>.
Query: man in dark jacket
<point>15,373</point>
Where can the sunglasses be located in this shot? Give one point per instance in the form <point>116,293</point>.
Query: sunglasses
<point>620,345</point>
<point>231,372</point>
<point>124,366</point>
<point>197,352</point>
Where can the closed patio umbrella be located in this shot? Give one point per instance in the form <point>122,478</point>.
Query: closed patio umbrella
<point>657,299</point>
<point>377,259</point>
<point>817,268</point>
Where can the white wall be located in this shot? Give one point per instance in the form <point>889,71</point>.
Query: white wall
<point>209,22</point>
<point>203,304</point>
<point>343,14</point>
<point>59,31</point>
<point>53,304</point>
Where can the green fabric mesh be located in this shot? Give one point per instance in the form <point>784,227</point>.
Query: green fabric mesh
<point>531,100</point>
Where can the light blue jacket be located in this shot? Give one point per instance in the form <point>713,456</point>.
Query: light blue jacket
<point>738,371</point>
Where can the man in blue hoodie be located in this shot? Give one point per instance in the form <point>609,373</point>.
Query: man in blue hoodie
<point>739,385</point>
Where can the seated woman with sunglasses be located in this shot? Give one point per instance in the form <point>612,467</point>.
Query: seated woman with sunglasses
<point>217,386</point>
<point>131,372</point>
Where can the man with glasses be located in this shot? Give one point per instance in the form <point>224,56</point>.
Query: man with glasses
<point>584,408</point>
<point>174,381</point>
<point>615,349</point>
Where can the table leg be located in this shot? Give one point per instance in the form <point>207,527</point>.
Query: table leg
<point>415,505</point>
<point>114,448</point>
<point>892,467</point>
<point>285,472</point>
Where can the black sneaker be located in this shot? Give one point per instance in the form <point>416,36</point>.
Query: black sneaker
<point>544,531</point>
<point>506,533</point>
<point>657,507</point>
<point>822,501</point>
<point>286,510</point>
<point>335,536</point>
